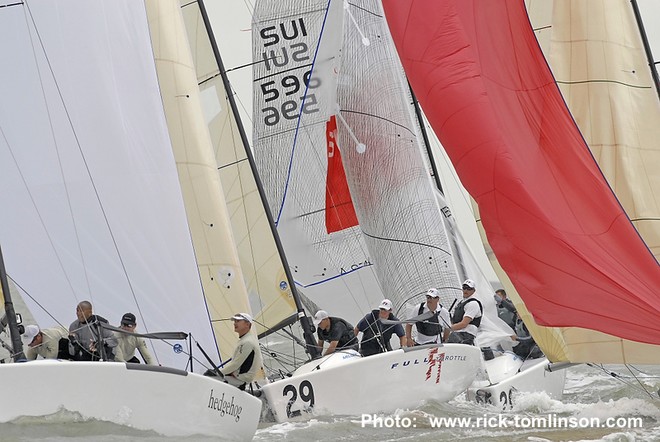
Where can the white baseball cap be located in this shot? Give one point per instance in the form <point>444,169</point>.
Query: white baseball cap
<point>385,304</point>
<point>433,292</point>
<point>242,317</point>
<point>320,316</point>
<point>30,332</point>
<point>469,283</point>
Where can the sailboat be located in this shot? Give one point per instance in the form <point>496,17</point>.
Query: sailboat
<point>586,278</point>
<point>323,110</point>
<point>112,195</point>
<point>424,372</point>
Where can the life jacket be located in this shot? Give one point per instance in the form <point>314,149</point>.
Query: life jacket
<point>373,335</point>
<point>423,327</point>
<point>521,329</point>
<point>460,312</point>
<point>507,316</point>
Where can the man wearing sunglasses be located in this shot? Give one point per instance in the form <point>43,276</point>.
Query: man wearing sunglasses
<point>433,330</point>
<point>467,316</point>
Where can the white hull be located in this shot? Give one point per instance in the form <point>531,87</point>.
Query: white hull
<point>532,377</point>
<point>346,384</point>
<point>168,401</point>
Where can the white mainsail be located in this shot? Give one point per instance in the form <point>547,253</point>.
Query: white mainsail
<point>88,174</point>
<point>294,46</point>
<point>393,194</point>
<point>95,211</point>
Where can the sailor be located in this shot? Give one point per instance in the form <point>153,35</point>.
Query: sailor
<point>467,316</point>
<point>336,331</point>
<point>505,308</point>
<point>49,343</point>
<point>527,347</point>
<point>86,332</point>
<point>376,336</point>
<point>128,343</point>
<point>433,330</point>
<point>246,362</point>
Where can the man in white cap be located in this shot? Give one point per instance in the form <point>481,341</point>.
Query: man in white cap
<point>433,330</point>
<point>46,343</point>
<point>376,336</point>
<point>246,362</point>
<point>467,316</point>
<point>336,331</point>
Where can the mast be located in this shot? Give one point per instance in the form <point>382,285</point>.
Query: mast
<point>16,342</point>
<point>425,137</point>
<point>647,47</point>
<point>460,266</point>
<point>305,321</point>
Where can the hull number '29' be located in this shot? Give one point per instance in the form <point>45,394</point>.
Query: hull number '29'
<point>306,395</point>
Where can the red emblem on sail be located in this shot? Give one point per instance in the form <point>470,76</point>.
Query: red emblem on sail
<point>339,210</point>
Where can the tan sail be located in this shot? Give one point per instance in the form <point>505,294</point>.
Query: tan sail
<point>207,213</point>
<point>268,287</point>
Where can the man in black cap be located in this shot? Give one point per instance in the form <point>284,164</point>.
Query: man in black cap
<point>128,343</point>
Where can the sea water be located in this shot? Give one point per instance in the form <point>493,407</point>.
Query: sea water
<point>596,406</point>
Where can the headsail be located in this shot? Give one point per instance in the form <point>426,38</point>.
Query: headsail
<point>268,287</point>
<point>210,226</point>
<point>550,217</point>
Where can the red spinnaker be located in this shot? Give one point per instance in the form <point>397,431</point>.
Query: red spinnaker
<point>551,218</point>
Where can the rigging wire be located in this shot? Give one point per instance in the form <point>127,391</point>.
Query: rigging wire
<point>637,385</point>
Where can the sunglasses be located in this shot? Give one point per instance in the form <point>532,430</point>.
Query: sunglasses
<point>467,287</point>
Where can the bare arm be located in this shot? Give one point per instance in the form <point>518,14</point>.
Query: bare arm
<point>461,325</point>
<point>331,348</point>
<point>445,334</point>
<point>409,341</point>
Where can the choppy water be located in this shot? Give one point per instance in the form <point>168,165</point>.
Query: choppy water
<point>590,394</point>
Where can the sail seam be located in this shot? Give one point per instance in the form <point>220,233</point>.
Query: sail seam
<point>603,81</point>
